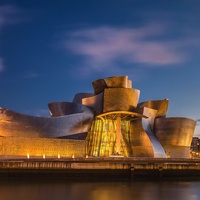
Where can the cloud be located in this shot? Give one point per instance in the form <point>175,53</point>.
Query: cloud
<point>103,46</point>
<point>8,15</point>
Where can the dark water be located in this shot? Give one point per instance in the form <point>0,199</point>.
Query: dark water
<point>98,190</point>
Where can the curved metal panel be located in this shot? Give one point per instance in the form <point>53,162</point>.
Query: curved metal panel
<point>147,124</point>
<point>176,131</point>
<point>95,102</point>
<point>175,134</point>
<point>111,82</point>
<point>160,105</point>
<point>99,86</point>
<point>80,96</point>
<point>13,124</point>
<point>118,82</point>
<point>66,108</point>
<point>120,99</point>
<point>141,145</point>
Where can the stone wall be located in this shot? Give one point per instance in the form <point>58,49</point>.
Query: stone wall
<point>38,147</point>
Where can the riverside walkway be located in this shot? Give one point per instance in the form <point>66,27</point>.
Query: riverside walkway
<point>98,167</point>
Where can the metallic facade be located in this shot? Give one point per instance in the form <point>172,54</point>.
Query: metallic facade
<point>111,120</point>
<point>175,135</point>
<point>144,133</point>
<point>13,124</point>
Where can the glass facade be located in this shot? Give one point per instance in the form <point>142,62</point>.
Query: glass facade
<point>109,137</point>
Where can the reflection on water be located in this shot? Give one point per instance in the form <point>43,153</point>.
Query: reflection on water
<point>94,190</point>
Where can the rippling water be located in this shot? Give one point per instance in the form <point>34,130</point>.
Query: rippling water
<point>98,190</point>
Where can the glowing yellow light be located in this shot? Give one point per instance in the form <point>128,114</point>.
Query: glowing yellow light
<point>73,156</point>
<point>43,156</point>
<point>58,155</point>
<point>86,156</point>
<point>110,136</point>
<point>28,156</point>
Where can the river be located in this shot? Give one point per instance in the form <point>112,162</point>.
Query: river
<point>20,189</point>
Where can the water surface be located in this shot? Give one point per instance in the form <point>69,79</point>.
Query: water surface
<point>18,189</point>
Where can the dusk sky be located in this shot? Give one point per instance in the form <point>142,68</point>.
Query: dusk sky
<point>51,50</point>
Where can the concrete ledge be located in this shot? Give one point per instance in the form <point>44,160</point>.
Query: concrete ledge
<point>103,168</point>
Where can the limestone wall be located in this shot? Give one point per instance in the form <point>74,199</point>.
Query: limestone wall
<point>10,146</point>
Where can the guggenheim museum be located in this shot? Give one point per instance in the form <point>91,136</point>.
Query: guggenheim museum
<point>108,122</point>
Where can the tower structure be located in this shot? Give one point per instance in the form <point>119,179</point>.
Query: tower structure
<point>122,126</point>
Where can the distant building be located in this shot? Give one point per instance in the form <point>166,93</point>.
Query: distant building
<point>195,147</point>
<point>108,122</point>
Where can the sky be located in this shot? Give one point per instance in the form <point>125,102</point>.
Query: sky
<point>51,50</point>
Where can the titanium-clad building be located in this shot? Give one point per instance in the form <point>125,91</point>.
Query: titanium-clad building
<point>110,121</point>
